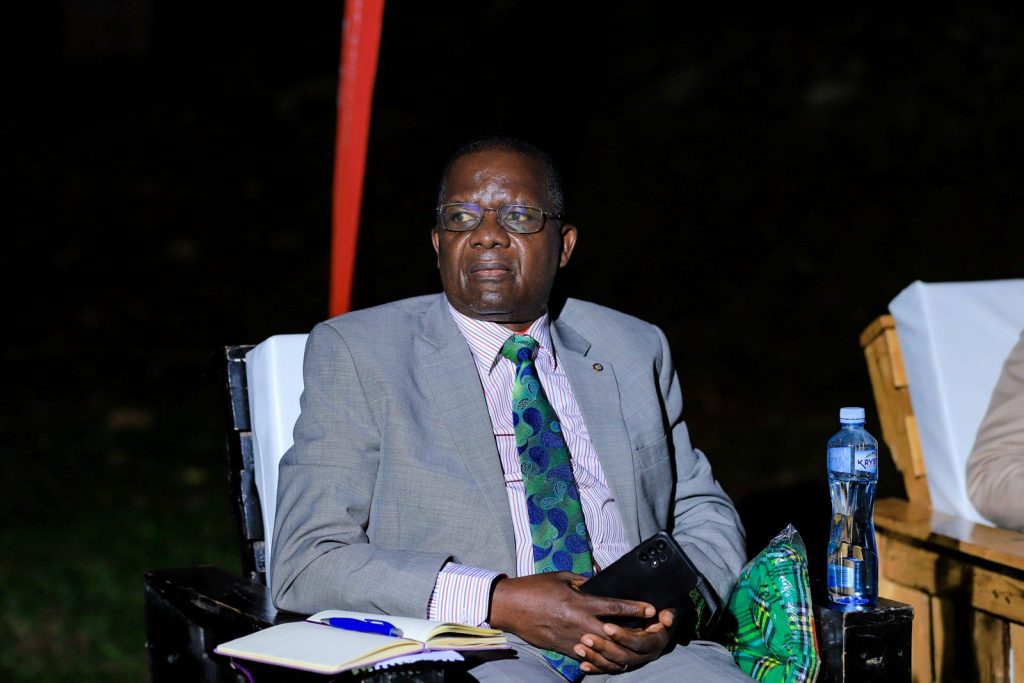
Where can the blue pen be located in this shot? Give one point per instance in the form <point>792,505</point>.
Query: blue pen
<point>377,626</point>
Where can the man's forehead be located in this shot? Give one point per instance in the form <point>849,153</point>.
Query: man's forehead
<point>496,173</point>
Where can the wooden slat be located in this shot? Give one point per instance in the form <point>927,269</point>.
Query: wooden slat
<point>997,593</point>
<point>895,412</point>
<point>892,342</point>
<point>991,648</point>
<point>921,640</point>
<point>921,655</point>
<point>235,381</point>
<point>999,546</point>
<point>943,637</point>
<point>876,327</point>
<point>1017,649</point>
<point>249,502</point>
<point>917,465</point>
<point>921,569</point>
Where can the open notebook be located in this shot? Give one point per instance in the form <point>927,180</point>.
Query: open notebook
<point>312,645</point>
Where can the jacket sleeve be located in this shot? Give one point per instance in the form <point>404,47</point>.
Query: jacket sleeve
<point>705,522</point>
<point>322,554</point>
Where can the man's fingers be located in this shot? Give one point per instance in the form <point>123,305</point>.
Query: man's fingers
<point>604,654</point>
<point>643,641</point>
<point>611,607</point>
<point>593,662</point>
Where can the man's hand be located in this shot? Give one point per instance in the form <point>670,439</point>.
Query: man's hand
<point>619,648</point>
<point>549,611</point>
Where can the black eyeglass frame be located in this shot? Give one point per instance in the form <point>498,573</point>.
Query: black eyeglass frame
<point>500,213</point>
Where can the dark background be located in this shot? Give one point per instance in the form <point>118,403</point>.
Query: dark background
<point>760,182</point>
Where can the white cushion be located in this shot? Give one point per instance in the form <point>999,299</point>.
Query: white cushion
<point>274,372</point>
<point>955,338</point>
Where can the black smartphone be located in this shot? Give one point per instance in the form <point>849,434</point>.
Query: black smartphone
<point>659,572</point>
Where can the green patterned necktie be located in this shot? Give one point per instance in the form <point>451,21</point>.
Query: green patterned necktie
<point>559,531</point>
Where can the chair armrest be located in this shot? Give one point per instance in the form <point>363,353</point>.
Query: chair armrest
<point>950,557</point>
<point>212,594</point>
<point>190,611</point>
<point>1002,547</point>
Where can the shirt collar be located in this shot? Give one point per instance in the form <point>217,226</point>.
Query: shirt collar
<point>485,340</point>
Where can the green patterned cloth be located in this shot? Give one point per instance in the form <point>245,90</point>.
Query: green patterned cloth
<point>775,640</point>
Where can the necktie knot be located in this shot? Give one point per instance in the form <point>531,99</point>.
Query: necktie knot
<point>519,348</point>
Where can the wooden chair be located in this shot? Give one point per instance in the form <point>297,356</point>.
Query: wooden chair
<point>965,580</point>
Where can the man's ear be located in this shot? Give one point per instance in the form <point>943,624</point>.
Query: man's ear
<point>435,239</point>
<point>568,243</point>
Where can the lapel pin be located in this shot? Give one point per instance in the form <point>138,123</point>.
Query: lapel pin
<point>598,367</point>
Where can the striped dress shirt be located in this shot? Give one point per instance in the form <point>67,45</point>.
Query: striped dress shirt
<point>462,593</point>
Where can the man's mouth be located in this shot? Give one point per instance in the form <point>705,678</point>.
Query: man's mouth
<point>488,269</point>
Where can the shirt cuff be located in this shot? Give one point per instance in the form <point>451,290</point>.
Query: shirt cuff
<point>462,594</point>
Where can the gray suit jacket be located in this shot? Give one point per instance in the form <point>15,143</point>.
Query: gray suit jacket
<point>395,470</point>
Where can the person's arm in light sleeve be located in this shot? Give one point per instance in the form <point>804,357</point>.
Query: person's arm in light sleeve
<point>995,468</point>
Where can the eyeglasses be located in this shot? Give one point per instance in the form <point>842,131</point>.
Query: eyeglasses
<point>517,218</point>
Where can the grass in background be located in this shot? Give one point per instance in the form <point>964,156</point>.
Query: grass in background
<point>110,491</point>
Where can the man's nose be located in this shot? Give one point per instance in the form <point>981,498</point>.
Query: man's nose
<point>489,233</point>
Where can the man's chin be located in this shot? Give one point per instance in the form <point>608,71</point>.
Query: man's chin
<point>501,316</point>
<point>491,315</point>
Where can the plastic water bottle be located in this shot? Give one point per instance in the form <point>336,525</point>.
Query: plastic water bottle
<point>852,476</point>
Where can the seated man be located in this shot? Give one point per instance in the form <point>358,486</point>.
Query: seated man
<point>995,468</point>
<point>471,457</point>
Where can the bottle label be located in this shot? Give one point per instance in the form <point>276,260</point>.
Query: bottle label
<point>866,461</point>
<point>839,459</point>
<point>847,459</point>
<point>841,578</point>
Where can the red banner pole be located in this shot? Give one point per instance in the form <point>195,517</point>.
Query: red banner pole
<point>360,44</point>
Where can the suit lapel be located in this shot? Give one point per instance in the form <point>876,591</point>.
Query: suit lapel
<point>597,393</point>
<point>443,357</point>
